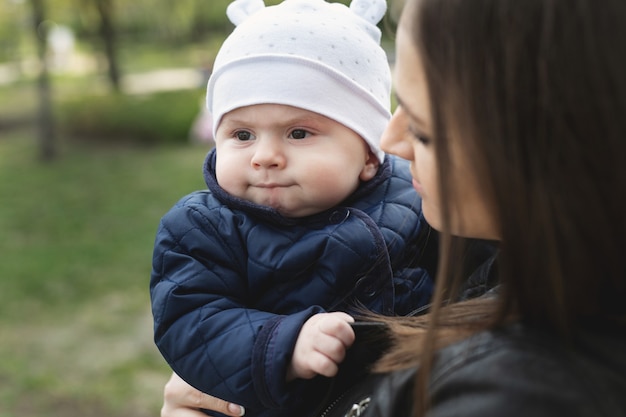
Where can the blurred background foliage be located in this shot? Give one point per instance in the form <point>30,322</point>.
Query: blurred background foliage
<point>99,104</point>
<point>126,37</point>
<point>98,47</point>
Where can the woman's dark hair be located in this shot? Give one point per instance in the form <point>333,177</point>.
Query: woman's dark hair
<point>537,91</point>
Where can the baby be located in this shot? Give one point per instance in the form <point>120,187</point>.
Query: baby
<point>305,219</point>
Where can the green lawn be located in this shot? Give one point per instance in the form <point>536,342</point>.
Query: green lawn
<point>75,248</point>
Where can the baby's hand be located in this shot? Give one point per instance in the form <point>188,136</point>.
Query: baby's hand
<point>321,345</point>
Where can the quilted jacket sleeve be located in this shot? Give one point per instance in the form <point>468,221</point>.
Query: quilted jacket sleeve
<point>203,326</point>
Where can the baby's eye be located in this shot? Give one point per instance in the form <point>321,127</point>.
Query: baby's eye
<point>243,135</point>
<point>299,134</point>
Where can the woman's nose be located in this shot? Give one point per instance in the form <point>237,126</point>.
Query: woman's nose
<point>394,140</point>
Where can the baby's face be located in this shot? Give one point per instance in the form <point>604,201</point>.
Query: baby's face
<point>293,160</point>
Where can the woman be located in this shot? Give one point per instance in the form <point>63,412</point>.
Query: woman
<point>513,115</point>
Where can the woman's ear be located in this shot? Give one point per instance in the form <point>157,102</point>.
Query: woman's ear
<point>370,168</point>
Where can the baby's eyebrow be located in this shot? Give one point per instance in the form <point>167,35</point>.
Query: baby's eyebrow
<point>230,121</point>
<point>303,118</point>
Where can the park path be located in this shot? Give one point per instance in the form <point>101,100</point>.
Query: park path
<point>161,79</point>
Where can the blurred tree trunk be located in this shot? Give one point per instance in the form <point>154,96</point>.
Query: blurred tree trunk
<point>107,32</point>
<point>45,118</point>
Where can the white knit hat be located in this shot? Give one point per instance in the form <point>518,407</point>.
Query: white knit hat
<point>319,56</point>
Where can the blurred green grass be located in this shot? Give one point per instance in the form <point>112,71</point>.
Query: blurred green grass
<point>75,251</point>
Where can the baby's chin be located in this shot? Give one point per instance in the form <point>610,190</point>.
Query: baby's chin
<point>286,205</point>
<point>297,212</point>
<point>283,209</point>
<point>294,213</point>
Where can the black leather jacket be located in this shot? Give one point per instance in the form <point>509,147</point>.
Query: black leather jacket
<point>514,372</point>
<point>510,372</point>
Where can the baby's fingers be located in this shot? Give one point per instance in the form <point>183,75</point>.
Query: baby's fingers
<point>323,365</point>
<point>337,325</point>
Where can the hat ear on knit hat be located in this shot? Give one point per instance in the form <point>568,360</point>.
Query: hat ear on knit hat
<point>239,11</point>
<point>316,55</point>
<point>371,10</point>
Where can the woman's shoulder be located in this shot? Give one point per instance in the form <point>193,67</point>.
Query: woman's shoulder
<point>532,373</point>
<point>514,371</point>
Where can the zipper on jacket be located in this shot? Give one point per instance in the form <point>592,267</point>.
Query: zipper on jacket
<point>355,411</point>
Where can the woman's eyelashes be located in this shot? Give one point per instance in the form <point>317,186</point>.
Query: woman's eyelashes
<point>419,136</point>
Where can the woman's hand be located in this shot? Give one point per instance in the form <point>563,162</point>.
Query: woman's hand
<point>182,400</point>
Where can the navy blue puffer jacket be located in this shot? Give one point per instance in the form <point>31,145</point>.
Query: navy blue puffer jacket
<point>233,282</point>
